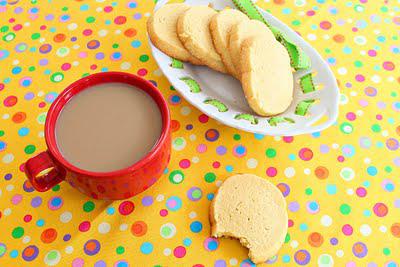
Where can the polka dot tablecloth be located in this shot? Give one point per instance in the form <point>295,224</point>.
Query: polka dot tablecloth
<point>341,185</point>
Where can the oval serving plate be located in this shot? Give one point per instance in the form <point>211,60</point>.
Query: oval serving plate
<point>220,96</point>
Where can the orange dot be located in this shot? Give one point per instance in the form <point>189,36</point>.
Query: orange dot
<point>130,32</point>
<point>301,256</point>
<point>91,246</point>
<point>59,38</point>
<point>29,251</point>
<point>48,235</point>
<point>139,228</point>
<point>19,117</point>
<point>321,172</point>
<point>175,125</point>
<point>398,130</point>
<point>315,239</point>
<point>338,38</point>
<point>279,2</point>
<point>358,248</point>
<point>395,229</point>
<point>281,188</point>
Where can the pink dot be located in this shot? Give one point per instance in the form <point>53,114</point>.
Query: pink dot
<point>340,158</point>
<point>354,29</point>
<point>380,209</point>
<point>290,223</point>
<point>78,262</point>
<point>108,9</point>
<point>201,148</point>
<point>184,164</point>
<point>347,229</point>
<point>11,20</point>
<point>163,212</point>
<point>351,116</point>
<point>42,104</point>
<point>310,13</point>
<point>372,53</point>
<point>351,264</point>
<point>142,72</point>
<point>16,199</point>
<point>388,65</point>
<point>27,218</point>
<point>379,117</point>
<point>84,226</point>
<point>93,66</point>
<point>65,66</point>
<point>43,27</point>
<point>22,167</point>
<point>216,164</point>
<point>203,118</point>
<point>271,172</point>
<point>288,139</point>
<point>363,102</point>
<point>179,252</point>
<point>361,192</point>
<point>360,78</point>
<point>1,86</point>
<point>82,54</point>
<point>87,32</point>
<point>17,27</point>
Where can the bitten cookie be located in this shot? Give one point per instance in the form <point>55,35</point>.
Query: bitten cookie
<point>240,32</point>
<point>193,31</point>
<point>161,28</point>
<point>220,27</point>
<point>267,78</point>
<point>252,210</point>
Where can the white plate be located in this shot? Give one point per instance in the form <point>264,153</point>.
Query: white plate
<point>227,90</point>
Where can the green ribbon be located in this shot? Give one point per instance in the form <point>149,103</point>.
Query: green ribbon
<point>307,84</point>
<point>303,107</point>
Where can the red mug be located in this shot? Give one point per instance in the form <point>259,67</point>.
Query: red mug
<point>50,168</point>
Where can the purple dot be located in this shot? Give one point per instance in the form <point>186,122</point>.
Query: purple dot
<point>137,16</point>
<point>372,264</point>
<point>221,150</point>
<point>36,202</point>
<point>73,39</point>
<point>220,263</point>
<point>294,206</point>
<point>8,176</point>
<point>381,105</point>
<point>363,102</point>
<point>43,62</point>
<point>147,201</point>
<point>341,22</point>
<point>67,237</point>
<point>49,17</point>
<point>324,149</point>
<point>348,85</point>
<point>334,241</point>
<point>100,55</point>
<point>397,203</point>
<point>100,263</point>
<point>396,161</point>
<point>18,10</point>
<point>29,96</point>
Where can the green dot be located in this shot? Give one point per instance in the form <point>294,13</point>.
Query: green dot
<point>32,68</point>
<point>41,118</point>
<point>236,137</point>
<point>171,88</point>
<point>388,169</point>
<point>1,132</point>
<point>90,19</point>
<point>271,153</point>
<point>210,177</point>
<point>196,193</point>
<point>176,177</point>
<point>4,28</point>
<point>57,77</point>
<point>287,238</point>
<point>359,8</point>
<point>64,8</point>
<point>34,2</point>
<point>345,209</point>
<point>115,45</point>
<point>346,128</point>
<point>52,255</point>
<point>308,191</point>
<point>358,64</point>
<point>29,149</point>
<point>166,231</point>
<point>2,250</point>
<point>120,250</point>
<point>296,22</point>
<point>56,188</point>
<point>395,38</point>
<point>18,232</point>
<point>157,265</point>
<point>144,58</point>
<point>88,206</point>
<point>85,74</point>
<point>386,251</point>
<point>393,94</point>
<point>384,9</point>
<point>376,128</point>
<point>9,37</point>
<point>179,141</point>
<point>35,36</point>
<point>328,51</point>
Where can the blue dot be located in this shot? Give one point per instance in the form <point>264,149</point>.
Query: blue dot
<point>313,205</point>
<point>107,22</point>
<point>389,187</point>
<point>26,83</point>
<point>175,98</point>
<point>286,258</point>
<point>331,60</point>
<point>47,72</point>
<point>303,227</point>
<point>331,189</point>
<point>392,264</point>
<point>104,69</point>
<point>136,44</point>
<point>14,253</point>
<point>122,264</point>
<point>347,50</point>
<point>84,7</point>
<point>367,213</point>
<point>316,134</point>
<point>380,144</point>
<point>52,29</point>
<point>196,226</point>
<point>292,156</point>
<point>23,131</point>
<point>258,136</point>
<point>2,145</point>
<point>229,168</point>
<point>314,27</point>
<point>377,68</point>
<point>187,242</point>
<point>286,11</point>
<point>114,3</point>
<point>366,184</point>
<point>40,222</point>
<point>166,171</point>
<point>390,121</point>
<point>212,245</point>
<point>110,210</point>
<point>116,55</point>
<point>210,196</point>
<point>7,80</point>
<point>34,10</point>
<point>32,49</point>
<point>64,17</point>
<point>371,170</point>
<point>16,70</point>
<point>132,5</point>
<point>56,201</point>
<point>146,248</point>
<point>240,150</point>
<point>3,3</point>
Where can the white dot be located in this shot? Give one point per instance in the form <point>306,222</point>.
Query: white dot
<point>72,26</point>
<point>8,158</point>
<point>104,228</point>
<point>359,112</point>
<point>195,159</point>
<point>326,37</point>
<point>385,133</point>
<point>192,137</point>
<point>294,244</point>
<point>76,46</point>
<point>160,198</point>
<point>75,63</point>
<point>27,24</point>
<point>307,171</point>
<point>125,65</point>
<point>326,220</point>
<point>335,146</point>
<point>233,261</point>
<point>10,187</point>
<point>349,20</point>
<point>252,163</point>
<point>15,62</point>
<point>185,110</point>
<point>5,116</point>
<point>42,40</point>
<point>26,239</point>
<point>167,252</point>
<point>69,249</point>
<point>363,53</point>
<point>290,172</point>
<point>99,9</point>
<point>353,93</point>
<point>301,13</point>
<point>377,31</point>
<point>192,215</point>
<point>40,93</point>
<point>311,37</point>
<point>383,229</point>
<point>1,192</point>
<point>339,253</point>
<point>7,212</point>
<point>123,227</point>
<point>40,134</point>
<point>367,160</point>
<point>342,71</point>
<point>390,79</point>
<point>365,230</point>
<point>325,260</point>
<point>350,192</point>
<point>102,33</point>
<point>158,73</point>
<point>376,79</point>
<point>117,32</point>
<point>66,217</point>
<point>218,183</point>
<point>147,14</point>
<point>277,138</point>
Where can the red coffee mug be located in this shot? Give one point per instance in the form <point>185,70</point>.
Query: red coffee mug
<point>50,168</point>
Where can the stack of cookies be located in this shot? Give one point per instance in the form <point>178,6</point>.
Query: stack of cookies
<point>229,42</point>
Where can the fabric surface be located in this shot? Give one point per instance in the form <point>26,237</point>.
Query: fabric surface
<point>341,185</point>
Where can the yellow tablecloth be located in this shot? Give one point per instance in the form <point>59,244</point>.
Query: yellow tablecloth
<point>341,185</point>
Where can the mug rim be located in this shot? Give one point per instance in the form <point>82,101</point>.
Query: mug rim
<point>82,84</point>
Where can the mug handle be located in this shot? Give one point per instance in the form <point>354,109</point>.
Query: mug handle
<point>43,173</point>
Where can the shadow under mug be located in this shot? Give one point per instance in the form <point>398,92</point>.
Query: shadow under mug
<point>49,168</point>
